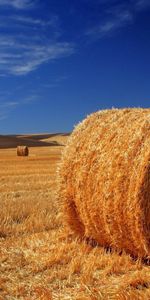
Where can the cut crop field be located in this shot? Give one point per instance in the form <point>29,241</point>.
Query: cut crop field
<point>40,258</point>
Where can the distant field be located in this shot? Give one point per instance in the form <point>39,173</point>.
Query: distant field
<point>33,140</point>
<point>39,257</point>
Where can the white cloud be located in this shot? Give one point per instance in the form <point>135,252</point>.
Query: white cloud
<point>142,4</point>
<point>108,26</point>
<point>118,15</point>
<point>19,4</point>
<point>7,106</point>
<point>33,42</point>
<point>24,57</point>
<point>31,26</point>
<point>55,82</point>
<point>52,21</point>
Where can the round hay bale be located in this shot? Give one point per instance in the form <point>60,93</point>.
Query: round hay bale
<point>104,179</point>
<point>22,151</point>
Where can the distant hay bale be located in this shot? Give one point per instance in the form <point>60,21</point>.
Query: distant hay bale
<point>22,151</point>
<point>104,179</point>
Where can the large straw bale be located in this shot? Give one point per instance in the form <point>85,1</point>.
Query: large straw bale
<point>104,179</point>
<point>22,151</point>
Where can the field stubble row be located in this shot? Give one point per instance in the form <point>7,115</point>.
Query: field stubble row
<point>42,259</point>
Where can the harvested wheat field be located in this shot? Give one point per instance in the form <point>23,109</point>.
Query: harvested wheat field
<point>40,256</point>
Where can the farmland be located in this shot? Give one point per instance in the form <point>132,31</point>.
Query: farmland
<point>40,258</point>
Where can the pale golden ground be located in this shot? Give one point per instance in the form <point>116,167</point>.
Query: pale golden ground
<point>39,258</point>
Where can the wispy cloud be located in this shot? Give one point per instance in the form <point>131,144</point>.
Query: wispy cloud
<point>31,56</point>
<point>30,99</point>
<point>30,21</point>
<point>110,25</point>
<point>19,4</point>
<point>55,82</point>
<point>142,4</point>
<point>117,14</point>
<point>8,106</point>
<point>21,53</point>
<point>30,26</point>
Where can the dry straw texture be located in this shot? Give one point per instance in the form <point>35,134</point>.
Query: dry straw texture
<point>104,179</point>
<point>22,151</point>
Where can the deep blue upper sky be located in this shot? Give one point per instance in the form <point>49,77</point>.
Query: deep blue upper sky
<point>63,59</point>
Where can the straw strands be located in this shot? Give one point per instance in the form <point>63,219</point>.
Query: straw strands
<point>22,151</point>
<point>104,179</point>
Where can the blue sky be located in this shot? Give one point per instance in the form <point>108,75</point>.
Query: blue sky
<point>61,60</point>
